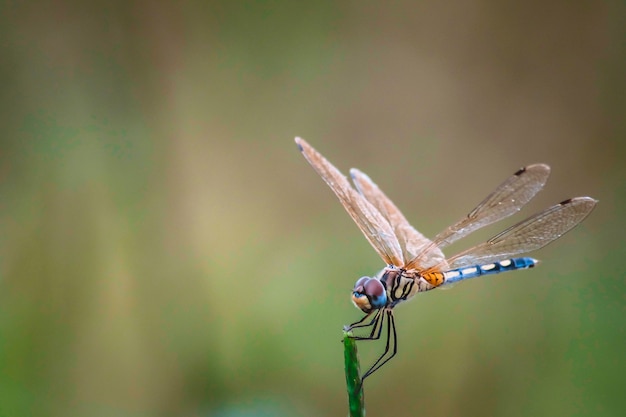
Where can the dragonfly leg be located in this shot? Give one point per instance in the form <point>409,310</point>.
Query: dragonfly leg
<point>375,323</point>
<point>392,341</point>
<point>360,323</point>
<point>376,329</point>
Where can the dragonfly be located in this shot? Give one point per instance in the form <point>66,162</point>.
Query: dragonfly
<point>417,264</point>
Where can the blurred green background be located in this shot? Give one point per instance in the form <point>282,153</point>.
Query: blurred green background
<point>165,250</point>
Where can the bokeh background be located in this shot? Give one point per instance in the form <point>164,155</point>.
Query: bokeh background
<point>165,250</point>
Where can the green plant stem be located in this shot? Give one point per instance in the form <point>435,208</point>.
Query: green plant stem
<point>353,377</point>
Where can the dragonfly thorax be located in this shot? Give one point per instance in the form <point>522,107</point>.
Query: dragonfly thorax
<point>391,286</point>
<point>401,284</point>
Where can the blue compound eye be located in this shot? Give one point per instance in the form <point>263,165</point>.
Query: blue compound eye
<point>369,294</point>
<point>375,292</point>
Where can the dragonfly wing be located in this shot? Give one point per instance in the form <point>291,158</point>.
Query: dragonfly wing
<point>529,235</point>
<point>373,224</point>
<point>411,241</point>
<point>507,199</point>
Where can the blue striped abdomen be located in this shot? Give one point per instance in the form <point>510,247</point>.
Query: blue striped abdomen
<point>460,274</point>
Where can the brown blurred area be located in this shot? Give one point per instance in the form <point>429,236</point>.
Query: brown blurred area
<point>166,251</point>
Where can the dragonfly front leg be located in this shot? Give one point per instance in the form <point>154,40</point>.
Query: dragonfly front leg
<point>391,344</point>
<point>375,323</point>
<point>392,340</point>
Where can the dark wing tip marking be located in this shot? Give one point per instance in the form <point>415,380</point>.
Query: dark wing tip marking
<point>298,144</point>
<point>354,173</point>
<point>573,199</point>
<point>533,167</point>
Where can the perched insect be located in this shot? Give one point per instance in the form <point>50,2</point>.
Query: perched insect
<point>416,264</point>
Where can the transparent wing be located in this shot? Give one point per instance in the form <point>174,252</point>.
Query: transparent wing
<point>529,235</point>
<point>374,226</point>
<point>507,199</point>
<point>411,241</point>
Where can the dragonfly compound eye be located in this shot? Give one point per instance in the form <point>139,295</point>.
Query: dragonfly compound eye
<point>375,292</point>
<point>369,294</point>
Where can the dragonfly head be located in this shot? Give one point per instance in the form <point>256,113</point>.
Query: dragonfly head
<point>369,294</point>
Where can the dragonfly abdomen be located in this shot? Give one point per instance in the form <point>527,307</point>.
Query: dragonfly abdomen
<point>513,264</point>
